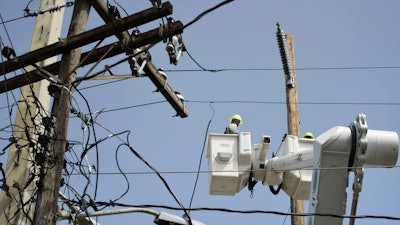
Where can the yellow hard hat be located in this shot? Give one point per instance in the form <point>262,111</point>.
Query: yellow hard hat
<point>308,135</point>
<point>236,117</point>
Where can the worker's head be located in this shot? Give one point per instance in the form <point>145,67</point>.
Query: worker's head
<point>308,135</point>
<point>237,119</point>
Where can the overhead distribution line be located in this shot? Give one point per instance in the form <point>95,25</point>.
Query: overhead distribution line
<point>228,171</point>
<point>255,211</point>
<point>248,102</point>
<point>280,69</point>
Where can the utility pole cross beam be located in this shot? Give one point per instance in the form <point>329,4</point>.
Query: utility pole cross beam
<point>85,38</point>
<point>142,39</point>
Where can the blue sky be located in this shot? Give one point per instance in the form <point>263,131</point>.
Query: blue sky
<point>347,63</point>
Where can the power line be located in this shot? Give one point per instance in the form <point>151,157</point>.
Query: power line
<point>250,102</point>
<point>206,12</point>
<point>133,106</point>
<point>227,171</point>
<point>203,69</point>
<point>300,103</point>
<point>225,210</point>
<point>279,69</point>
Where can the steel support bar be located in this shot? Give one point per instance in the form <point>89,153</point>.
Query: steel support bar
<point>91,36</point>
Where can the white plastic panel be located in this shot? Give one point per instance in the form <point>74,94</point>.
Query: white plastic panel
<point>229,160</point>
<point>294,153</point>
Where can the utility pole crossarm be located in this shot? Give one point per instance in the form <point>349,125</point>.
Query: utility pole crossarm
<point>151,71</point>
<point>85,38</point>
<point>145,38</point>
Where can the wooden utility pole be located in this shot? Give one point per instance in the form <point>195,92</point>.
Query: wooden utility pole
<point>286,47</point>
<point>46,149</point>
<point>50,177</point>
<point>16,206</point>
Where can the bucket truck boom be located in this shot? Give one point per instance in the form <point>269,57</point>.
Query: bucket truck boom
<point>307,169</point>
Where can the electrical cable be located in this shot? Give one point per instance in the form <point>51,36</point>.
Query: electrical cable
<point>122,173</point>
<point>225,210</point>
<point>300,103</point>
<point>233,171</point>
<point>206,12</point>
<point>255,102</point>
<point>139,156</point>
<point>277,69</point>
<point>201,155</point>
<point>198,64</point>
<point>238,69</point>
<point>105,83</point>
<point>82,171</point>
<point>95,139</point>
<point>133,106</point>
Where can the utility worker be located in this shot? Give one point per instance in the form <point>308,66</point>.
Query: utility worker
<point>235,121</point>
<point>308,135</point>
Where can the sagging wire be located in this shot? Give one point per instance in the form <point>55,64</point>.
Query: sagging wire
<point>86,122</point>
<point>200,66</point>
<point>95,139</point>
<point>206,12</point>
<point>82,202</point>
<point>122,173</point>
<point>66,177</point>
<point>201,155</point>
<point>255,211</point>
<point>139,156</point>
<point>91,121</point>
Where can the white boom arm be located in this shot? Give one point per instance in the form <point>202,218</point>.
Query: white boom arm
<point>315,170</point>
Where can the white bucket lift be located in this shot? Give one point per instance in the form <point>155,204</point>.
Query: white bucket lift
<point>307,169</point>
<point>229,162</point>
